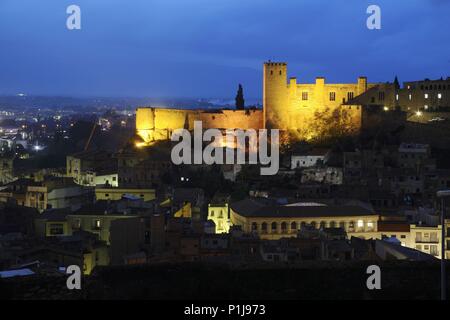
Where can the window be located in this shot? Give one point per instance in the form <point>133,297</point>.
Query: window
<point>264,227</point>
<point>434,251</point>
<point>322,224</point>
<point>410,97</point>
<point>439,95</point>
<point>350,95</point>
<point>96,224</point>
<point>426,95</point>
<point>433,237</point>
<point>360,223</point>
<point>56,229</point>
<point>332,96</point>
<point>370,225</point>
<point>283,227</point>
<point>274,227</point>
<point>293,226</point>
<point>351,225</point>
<point>381,96</point>
<point>76,224</point>
<point>419,237</point>
<point>332,224</point>
<point>304,95</point>
<point>254,226</point>
<point>396,97</point>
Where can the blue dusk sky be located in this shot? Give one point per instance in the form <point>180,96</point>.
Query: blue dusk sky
<point>204,48</point>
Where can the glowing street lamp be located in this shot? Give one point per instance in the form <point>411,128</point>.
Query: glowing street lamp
<point>418,113</point>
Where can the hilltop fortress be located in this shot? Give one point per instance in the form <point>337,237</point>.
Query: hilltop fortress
<point>287,105</point>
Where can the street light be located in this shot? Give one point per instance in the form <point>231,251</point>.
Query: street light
<point>443,194</point>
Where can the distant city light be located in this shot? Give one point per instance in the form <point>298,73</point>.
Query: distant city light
<point>418,113</point>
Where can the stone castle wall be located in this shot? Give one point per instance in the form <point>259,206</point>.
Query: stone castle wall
<point>158,124</point>
<point>304,109</point>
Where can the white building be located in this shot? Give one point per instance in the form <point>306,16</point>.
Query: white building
<point>309,159</point>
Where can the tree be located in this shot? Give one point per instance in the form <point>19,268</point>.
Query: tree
<point>240,102</point>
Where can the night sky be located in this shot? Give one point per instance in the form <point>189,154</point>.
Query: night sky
<point>204,48</point>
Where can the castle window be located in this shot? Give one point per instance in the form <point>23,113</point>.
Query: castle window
<point>304,95</point>
<point>426,95</point>
<point>332,96</point>
<point>271,72</point>
<point>381,96</point>
<point>350,95</point>
<point>280,73</point>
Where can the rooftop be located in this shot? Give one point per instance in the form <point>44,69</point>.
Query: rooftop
<point>257,208</point>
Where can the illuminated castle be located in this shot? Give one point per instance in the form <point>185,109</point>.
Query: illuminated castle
<point>289,106</point>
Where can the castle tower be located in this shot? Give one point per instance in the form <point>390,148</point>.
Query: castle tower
<point>362,85</point>
<point>145,123</point>
<point>275,95</point>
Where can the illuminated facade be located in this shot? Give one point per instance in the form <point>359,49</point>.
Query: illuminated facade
<point>274,222</point>
<point>287,106</point>
<point>219,214</point>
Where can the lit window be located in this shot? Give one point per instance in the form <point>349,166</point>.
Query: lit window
<point>350,95</point>
<point>425,107</point>
<point>360,224</point>
<point>439,95</point>
<point>426,95</point>
<point>370,225</point>
<point>396,97</point>
<point>410,97</point>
